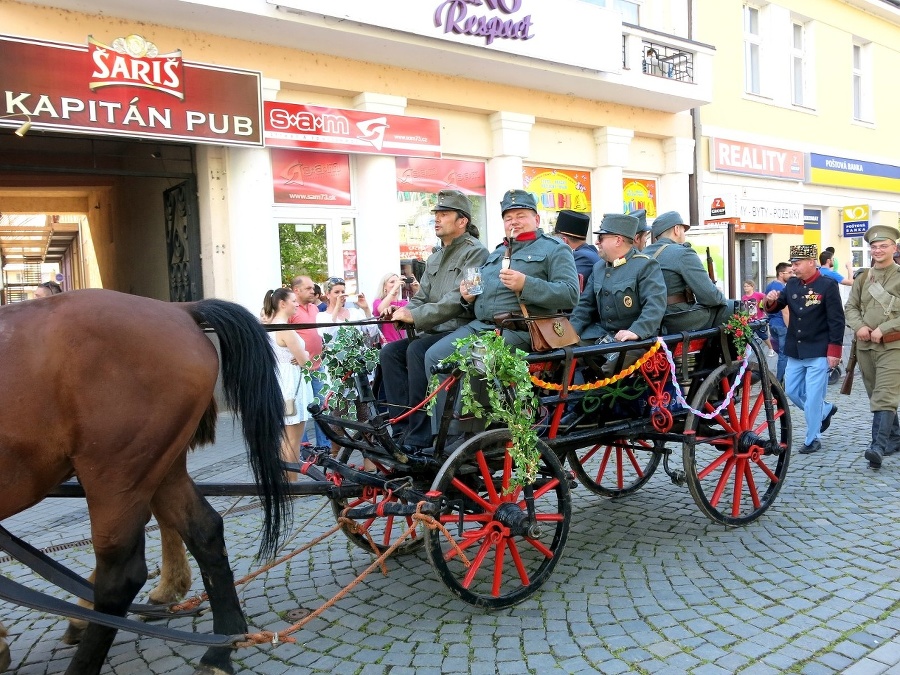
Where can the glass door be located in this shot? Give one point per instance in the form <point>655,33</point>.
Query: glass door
<point>318,247</point>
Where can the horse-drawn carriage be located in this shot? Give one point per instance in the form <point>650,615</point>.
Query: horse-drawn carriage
<point>493,528</point>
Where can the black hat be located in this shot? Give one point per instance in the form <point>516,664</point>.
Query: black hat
<point>453,200</point>
<point>517,199</point>
<point>618,223</point>
<point>573,223</point>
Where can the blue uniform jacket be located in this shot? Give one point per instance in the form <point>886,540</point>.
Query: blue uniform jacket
<point>816,324</point>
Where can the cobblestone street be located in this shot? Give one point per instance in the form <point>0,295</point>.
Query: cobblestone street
<point>647,584</point>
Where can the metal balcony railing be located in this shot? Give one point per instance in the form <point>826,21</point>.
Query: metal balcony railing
<point>670,62</point>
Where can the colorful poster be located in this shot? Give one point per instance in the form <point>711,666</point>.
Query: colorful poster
<point>639,193</point>
<point>558,189</point>
<point>301,177</point>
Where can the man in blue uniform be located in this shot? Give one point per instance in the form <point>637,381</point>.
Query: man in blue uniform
<point>572,228</point>
<point>642,236</point>
<point>814,339</point>
<point>692,299</point>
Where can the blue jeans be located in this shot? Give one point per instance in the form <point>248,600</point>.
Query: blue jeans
<point>777,335</point>
<point>321,438</point>
<point>806,381</point>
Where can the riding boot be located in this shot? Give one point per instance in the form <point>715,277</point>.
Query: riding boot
<point>882,421</point>
<point>894,443</point>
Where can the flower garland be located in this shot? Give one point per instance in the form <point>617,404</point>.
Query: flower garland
<point>738,327</point>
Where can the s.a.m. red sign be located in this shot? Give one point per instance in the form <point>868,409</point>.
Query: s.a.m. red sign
<point>127,88</point>
<point>309,127</point>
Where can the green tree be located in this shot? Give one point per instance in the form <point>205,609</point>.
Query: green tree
<point>302,252</point>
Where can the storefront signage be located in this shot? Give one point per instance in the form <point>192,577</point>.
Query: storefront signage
<point>127,88</point>
<point>855,219</point>
<point>639,193</point>
<point>570,33</point>
<point>433,175</point>
<point>301,177</point>
<point>720,206</point>
<point>845,172</point>
<point>557,189</point>
<point>812,219</point>
<point>757,211</point>
<point>294,125</point>
<point>756,160</point>
<point>456,16</point>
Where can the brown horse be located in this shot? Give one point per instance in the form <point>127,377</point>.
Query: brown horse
<point>114,389</point>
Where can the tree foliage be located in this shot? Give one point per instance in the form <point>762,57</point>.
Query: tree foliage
<point>302,253</point>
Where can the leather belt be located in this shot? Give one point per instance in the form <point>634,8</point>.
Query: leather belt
<point>675,299</point>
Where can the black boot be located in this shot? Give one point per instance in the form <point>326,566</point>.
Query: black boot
<point>894,444</point>
<point>882,421</point>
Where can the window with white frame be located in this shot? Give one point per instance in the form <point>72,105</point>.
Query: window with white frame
<point>799,65</point>
<point>857,253</point>
<point>752,43</point>
<point>627,8</point>
<point>862,81</point>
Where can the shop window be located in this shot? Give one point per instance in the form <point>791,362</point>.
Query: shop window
<point>417,238</point>
<point>303,250</point>
<point>858,253</point>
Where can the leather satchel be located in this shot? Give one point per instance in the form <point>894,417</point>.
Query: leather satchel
<point>549,332</point>
<point>290,407</point>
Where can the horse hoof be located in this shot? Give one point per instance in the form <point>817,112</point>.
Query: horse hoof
<point>205,669</point>
<point>73,634</point>
<point>4,656</point>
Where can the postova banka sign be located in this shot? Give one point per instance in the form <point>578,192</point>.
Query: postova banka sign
<point>128,88</point>
<point>293,125</point>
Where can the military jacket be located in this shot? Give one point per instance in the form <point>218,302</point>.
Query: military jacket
<point>816,323</point>
<point>869,306</point>
<point>435,308</point>
<point>586,257</point>
<point>682,269</point>
<point>629,296</point>
<point>551,285</point>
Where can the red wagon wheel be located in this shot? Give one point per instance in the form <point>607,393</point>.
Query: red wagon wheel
<point>736,463</point>
<point>383,530</point>
<point>511,555</point>
<point>617,467</point>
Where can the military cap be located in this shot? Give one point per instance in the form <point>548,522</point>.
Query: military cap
<point>641,215</point>
<point>882,233</point>
<point>453,200</point>
<point>618,223</point>
<point>667,221</point>
<point>517,199</point>
<point>801,251</point>
<point>573,223</point>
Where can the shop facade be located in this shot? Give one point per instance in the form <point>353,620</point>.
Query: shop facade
<point>345,143</point>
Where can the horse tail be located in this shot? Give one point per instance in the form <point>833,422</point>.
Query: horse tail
<point>252,392</point>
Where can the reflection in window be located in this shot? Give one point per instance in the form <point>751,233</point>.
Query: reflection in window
<point>627,8</point>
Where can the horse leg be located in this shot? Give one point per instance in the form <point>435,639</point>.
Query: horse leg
<point>179,504</point>
<point>4,650</point>
<point>75,629</point>
<point>120,574</point>
<point>175,572</point>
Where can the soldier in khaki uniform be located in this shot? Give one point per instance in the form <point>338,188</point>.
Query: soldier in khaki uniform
<point>873,313</point>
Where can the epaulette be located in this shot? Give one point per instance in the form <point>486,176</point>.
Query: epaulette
<point>641,255</point>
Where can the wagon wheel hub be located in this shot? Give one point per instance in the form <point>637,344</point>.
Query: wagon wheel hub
<point>516,520</point>
<point>750,444</point>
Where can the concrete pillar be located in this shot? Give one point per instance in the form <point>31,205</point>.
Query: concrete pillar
<point>215,226</point>
<point>512,143</point>
<point>375,197</point>
<point>613,146</point>
<point>674,192</point>
<point>253,241</point>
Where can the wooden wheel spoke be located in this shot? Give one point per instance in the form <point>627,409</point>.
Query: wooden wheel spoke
<point>476,563</point>
<point>471,494</point>
<point>754,412</point>
<point>520,566</point>
<point>712,466</point>
<point>740,465</point>
<point>766,470</point>
<point>751,485</point>
<point>602,469</point>
<point>486,474</point>
<point>467,518</point>
<point>546,552</point>
<point>634,463</point>
<point>590,453</point>
<point>541,491</point>
<point>723,480</point>
<point>779,412</point>
<point>498,568</point>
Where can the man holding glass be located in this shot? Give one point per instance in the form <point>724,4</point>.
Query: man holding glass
<point>434,311</point>
<point>873,314</point>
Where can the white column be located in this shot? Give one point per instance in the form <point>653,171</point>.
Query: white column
<point>215,226</point>
<point>375,196</point>
<point>253,242</point>
<point>673,184</point>
<point>613,146</point>
<point>512,143</point>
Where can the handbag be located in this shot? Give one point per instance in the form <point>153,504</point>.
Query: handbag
<point>290,404</point>
<point>549,332</point>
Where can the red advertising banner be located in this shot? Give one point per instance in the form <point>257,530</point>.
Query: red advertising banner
<point>293,125</point>
<point>301,177</point>
<point>756,160</point>
<point>127,89</point>
<point>558,189</point>
<point>639,193</point>
<point>433,175</point>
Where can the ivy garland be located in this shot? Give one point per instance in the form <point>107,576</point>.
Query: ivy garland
<point>511,400</point>
<point>344,354</point>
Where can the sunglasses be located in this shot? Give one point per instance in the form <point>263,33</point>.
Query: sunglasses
<point>334,281</point>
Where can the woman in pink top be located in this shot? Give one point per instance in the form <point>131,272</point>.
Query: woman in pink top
<point>391,293</point>
<point>752,300</point>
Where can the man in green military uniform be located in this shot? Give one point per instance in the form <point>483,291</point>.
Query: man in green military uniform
<point>692,300</point>
<point>626,297</point>
<point>873,313</point>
